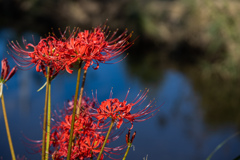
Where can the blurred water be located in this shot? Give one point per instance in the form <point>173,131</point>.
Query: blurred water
<point>178,131</point>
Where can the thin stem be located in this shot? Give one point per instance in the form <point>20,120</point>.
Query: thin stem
<point>91,156</point>
<point>74,113</point>
<point>106,138</point>
<point>48,121</point>
<point>81,92</point>
<point>221,144</point>
<point>45,116</point>
<point>7,129</point>
<point>126,153</point>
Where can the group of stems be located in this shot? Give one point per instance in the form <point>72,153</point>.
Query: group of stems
<point>47,113</point>
<point>7,128</point>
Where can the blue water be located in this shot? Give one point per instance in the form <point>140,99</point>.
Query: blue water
<point>178,131</point>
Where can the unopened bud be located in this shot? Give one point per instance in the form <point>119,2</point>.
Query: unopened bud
<point>128,136</point>
<point>133,136</point>
<point>13,71</point>
<point>5,69</point>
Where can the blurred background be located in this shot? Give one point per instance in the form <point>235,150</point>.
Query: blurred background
<point>187,53</point>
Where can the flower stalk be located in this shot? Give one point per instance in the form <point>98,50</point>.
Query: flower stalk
<point>48,121</point>
<point>105,141</point>
<point>126,153</point>
<point>74,112</point>
<point>45,115</point>
<point>81,92</point>
<point>7,129</point>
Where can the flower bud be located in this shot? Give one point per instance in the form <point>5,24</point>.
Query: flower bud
<point>5,69</point>
<point>5,75</point>
<point>133,136</point>
<point>127,136</point>
<point>13,71</point>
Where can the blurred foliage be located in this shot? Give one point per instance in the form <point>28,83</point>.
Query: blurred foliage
<point>220,24</point>
<point>217,76</point>
<point>219,99</point>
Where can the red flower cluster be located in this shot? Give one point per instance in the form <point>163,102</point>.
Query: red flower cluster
<point>88,137</point>
<point>92,123</point>
<point>60,53</point>
<point>119,111</point>
<point>97,46</point>
<point>87,142</point>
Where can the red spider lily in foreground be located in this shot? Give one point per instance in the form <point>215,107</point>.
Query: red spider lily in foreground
<point>119,111</point>
<point>99,46</point>
<point>61,53</point>
<point>49,52</point>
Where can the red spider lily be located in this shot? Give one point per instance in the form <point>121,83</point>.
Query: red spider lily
<point>119,111</point>
<point>98,46</point>
<point>60,53</point>
<point>88,136</point>
<point>49,52</point>
<point>5,75</point>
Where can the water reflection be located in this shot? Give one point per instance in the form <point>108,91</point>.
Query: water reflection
<point>179,131</point>
<point>220,100</point>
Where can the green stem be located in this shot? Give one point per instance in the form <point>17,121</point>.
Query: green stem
<point>221,144</point>
<point>126,153</point>
<point>45,116</point>
<point>48,121</point>
<point>74,113</point>
<point>81,92</point>
<point>106,138</point>
<point>7,129</point>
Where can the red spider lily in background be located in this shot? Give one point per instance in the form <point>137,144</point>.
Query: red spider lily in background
<point>87,104</point>
<point>119,111</point>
